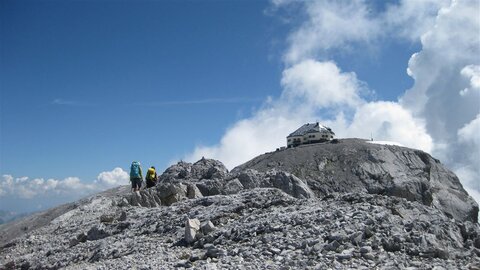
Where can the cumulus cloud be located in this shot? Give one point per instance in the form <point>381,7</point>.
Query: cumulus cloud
<point>310,88</point>
<point>469,133</point>
<point>115,177</point>
<point>446,92</point>
<point>30,189</point>
<point>334,25</point>
<point>439,114</point>
<point>468,168</point>
<point>471,72</point>
<point>330,25</point>
<point>247,138</point>
<point>389,121</point>
<point>446,65</point>
<point>411,19</point>
<point>26,188</point>
<point>321,84</point>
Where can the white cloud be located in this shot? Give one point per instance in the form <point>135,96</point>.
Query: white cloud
<point>468,174</point>
<point>330,25</point>
<point>443,105</point>
<point>321,84</point>
<point>319,90</point>
<point>411,19</point>
<point>333,25</point>
<point>470,132</point>
<point>309,88</point>
<point>436,115</point>
<point>115,177</point>
<point>390,122</point>
<point>26,188</point>
<point>474,193</point>
<point>471,72</point>
<point>249,137</point>
<point>448,48</point>
<point>446,92</point>
<point>469,141</point>
<point>278,3</point>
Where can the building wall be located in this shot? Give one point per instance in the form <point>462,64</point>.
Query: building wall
<point>309,138</point>
<point>293,140</point>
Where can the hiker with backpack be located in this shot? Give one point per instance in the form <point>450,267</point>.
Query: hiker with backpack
<point>136,176</point>
<point>151,177</point>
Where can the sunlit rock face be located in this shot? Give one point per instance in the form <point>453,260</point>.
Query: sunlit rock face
<point>340,204</point>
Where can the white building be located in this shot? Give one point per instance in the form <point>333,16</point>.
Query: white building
<point>309,133</point>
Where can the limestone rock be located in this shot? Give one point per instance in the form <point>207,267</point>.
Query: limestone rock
<point>170,193</point>
<point>146,198</point>
<point>249,178</point>
<point>82,237</point>
<point>292,185</point>
<point>207,227</point>
<point>213,252</point>
<point>368,206</point>
<point>365,249</point>
<point>181,170</point>
<point>97,232</point>
<point>357,166</point>
<point>193,191</point>
<point>122,216</point>
<point>232,186</point>
<point>107,218</point>
<point>208,169</point>
<point>254,229</point>
<point>192,226</point>
<point>210,187</point>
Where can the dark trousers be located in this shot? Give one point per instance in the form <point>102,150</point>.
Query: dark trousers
<point>150,183</point>
<point>136,183</point>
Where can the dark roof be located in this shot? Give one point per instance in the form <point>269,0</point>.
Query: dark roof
<point>309,128</point>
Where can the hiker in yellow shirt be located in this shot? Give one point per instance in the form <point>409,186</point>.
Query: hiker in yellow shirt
<point>151,177</point>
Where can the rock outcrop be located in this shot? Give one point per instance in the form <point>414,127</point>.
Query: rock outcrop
<point>353,165</point>
<point>344,205</point>
<point>192,226</point>
<point>257,228</point>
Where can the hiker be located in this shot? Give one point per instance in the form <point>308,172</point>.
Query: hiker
<point>151,177</point>
<point>136,176</point>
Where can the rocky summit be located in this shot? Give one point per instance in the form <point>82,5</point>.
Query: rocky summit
<point>344,204</point>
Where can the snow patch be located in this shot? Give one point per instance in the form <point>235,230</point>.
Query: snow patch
<point>385,143</point>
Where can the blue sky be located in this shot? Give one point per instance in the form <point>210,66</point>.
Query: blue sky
<point>92,85</point>
<point>89,86</point>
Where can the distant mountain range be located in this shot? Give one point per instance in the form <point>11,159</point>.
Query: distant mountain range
<point>7,216</point>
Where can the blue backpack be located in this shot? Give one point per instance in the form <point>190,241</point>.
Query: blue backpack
<point>135,170</point>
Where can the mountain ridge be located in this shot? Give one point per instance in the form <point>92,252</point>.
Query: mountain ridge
<point>8,216</point>
<point>284,209</point>
<point>356,165</point>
